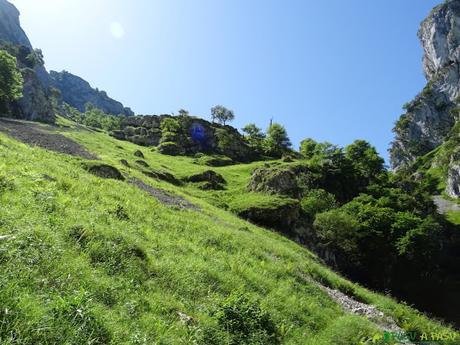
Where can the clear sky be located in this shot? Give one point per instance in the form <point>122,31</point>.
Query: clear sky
<point>332,70</point>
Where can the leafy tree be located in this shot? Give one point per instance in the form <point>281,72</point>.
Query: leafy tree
<point>221,114</point>
<point>183,112</point>
<point>338,230</point>
<point>11,81</point>
<point>329,153</point>
<point>254,136</point>
<point>317,201</point>
<point>277,141</point>
<point>93,117</point>
<point>308,148</point>
<point>365,159</point>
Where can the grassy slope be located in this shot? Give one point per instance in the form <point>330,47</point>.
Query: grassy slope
<point>99,261</point>
<point>435,163</point>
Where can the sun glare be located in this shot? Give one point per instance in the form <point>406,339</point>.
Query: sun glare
<point>117,30</point>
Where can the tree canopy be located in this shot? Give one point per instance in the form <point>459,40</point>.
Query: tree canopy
<point>11,82</point>
<point>277,141</point>
<point>222,114</point>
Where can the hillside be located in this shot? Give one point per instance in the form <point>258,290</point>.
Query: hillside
<point>172,229</point>
<point>133,259</point>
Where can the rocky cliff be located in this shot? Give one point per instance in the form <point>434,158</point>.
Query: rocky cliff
<point>430,116</point>
<point>36,102</point>
<point>10,28</point>
<point>76,92</point>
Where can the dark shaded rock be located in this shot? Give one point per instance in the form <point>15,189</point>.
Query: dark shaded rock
<point>117,134</point>
<point>274,180</point>
<point>35,102</point>
<point>211,186</point>
<point>139,154</point>
<point>207,176</point>
<point>105,171</point>
<point>163,175</point>
<point>77,92</point>
<point>143,163</point>
<point>124,162</point>
<point>10,28</point>
<point>169,148</point>
<point>280,215</point>
<point>215,161</point>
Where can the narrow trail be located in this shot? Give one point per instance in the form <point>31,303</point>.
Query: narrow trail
<point>350,305</point>
<point>445,205</point>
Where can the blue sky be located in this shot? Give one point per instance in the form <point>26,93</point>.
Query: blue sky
<point>331,70</point>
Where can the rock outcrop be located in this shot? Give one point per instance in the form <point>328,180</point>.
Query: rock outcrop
<point>429,117</point>
<point>36,101</point>
<point>77,92</point>
<point>453,180</point>
<point>274,180</point>
<point>10,28</point>
<point>185,135</point>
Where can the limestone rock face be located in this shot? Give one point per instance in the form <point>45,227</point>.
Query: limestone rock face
<point>453,179</point>
<point>76,92</point>
<point>190,136</point>
<point>429,116</point>
<point>10,28</point>
<point>35,105</point>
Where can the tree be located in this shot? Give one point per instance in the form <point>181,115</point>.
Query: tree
<point>337,230</point>
<point>221,114</point>
<point>11,81</point>
<point>277,141</point>
<point>365,159</point>
<point>183,112</point>
<point>308,148</point>
<point>254,136</point>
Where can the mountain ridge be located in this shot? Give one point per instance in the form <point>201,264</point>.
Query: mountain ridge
<point>73,90</point>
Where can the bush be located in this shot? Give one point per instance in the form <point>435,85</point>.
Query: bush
<point>338,230</point>
<point>317,201</point>
<point>242,321</point>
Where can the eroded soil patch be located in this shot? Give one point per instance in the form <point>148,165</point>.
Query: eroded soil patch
<point>40,135</point>
<point>163,196</point>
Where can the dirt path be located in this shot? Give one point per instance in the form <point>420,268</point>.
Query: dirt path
<point>35,134</point>
<point>445,205</point>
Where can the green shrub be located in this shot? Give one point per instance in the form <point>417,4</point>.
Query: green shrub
<point>241,319</point>
<point>317,201</point>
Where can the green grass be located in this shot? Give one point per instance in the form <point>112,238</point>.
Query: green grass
<point>454,217</point>
<point>98,261</point>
